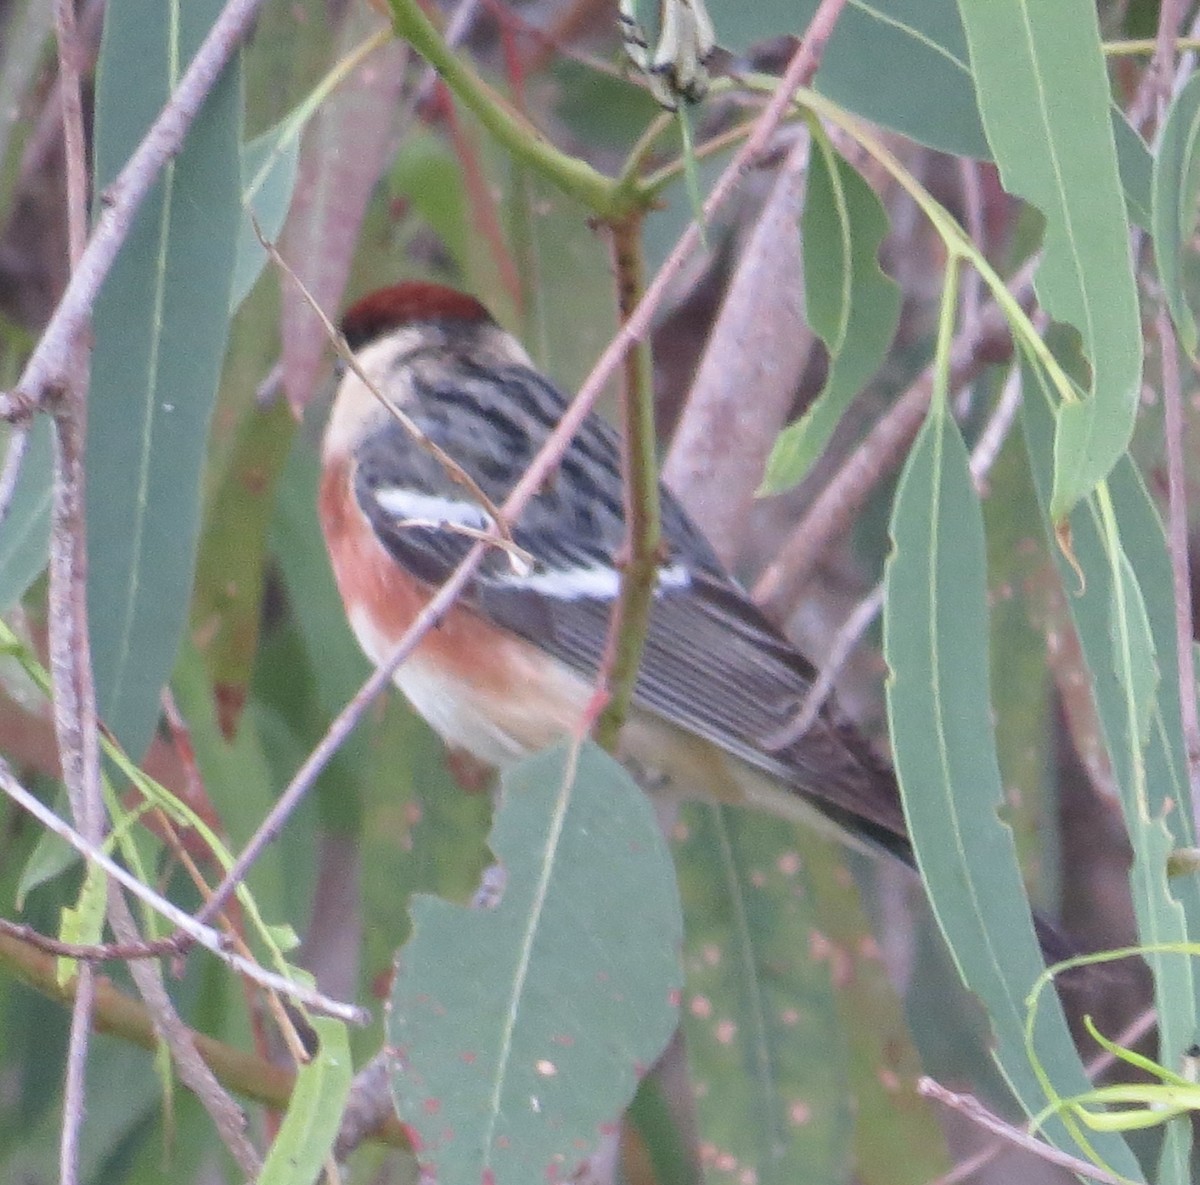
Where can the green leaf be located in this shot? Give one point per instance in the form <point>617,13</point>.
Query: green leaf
<point>1136,165</point>
<point>900,63</point>
<point>160,329</point>
<point>939,714</point>
<point>520,1031</point>
<point>231,569</point>
<point>25,531</point>
<point>314,1112</point>
<point>269,164</point>
<point>850,302</point>
<point>1151,777</point>
<point>1060,156</point>
<point>1175,188</point>
<point>1133,649</point>
<point>767,1055</point>
<point>567,298</point>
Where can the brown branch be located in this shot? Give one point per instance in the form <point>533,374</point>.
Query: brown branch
<point>1154,90</point>
<point>196,932</point>
<point>99,952</point>
<point>120,1015</point>
<point>759,343</point>
<point>194,1073</point>
<point>970,1107</point>
<point>70,648</point>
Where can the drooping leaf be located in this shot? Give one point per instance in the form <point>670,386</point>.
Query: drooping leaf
<point>1175,189</point>
<point>939,714</point>
<point>1146,756</point>
<point>567,297</point>
<point>227,609</point>
<point>160,326</point>
<point>850,302</point>
<point>1061,157</point>
<point>520,1031</point>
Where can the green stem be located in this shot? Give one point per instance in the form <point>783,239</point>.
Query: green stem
<point>631,616</point>
<point>575,177</point>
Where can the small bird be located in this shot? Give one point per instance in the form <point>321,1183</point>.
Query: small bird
<point>511,667</point>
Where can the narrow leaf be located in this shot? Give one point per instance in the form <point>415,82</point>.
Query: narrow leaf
<point>851,303</point>
<point>520,1031</point>
<point>306,1136</point>
<point>1136,165</point>
<point>269,166</point>
<point>935,642</point>
<point>1060,156</point>
<point>1150,776</point>
<point>1175,188</point>
<point>900,63</point>
<point>161,323</point>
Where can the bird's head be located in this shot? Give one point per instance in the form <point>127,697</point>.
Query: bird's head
<point>405,338</point>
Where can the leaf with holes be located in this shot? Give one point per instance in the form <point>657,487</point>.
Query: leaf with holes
<point>519,1033</point>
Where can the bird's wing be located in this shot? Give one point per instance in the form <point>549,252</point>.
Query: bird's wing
<point>712,663</point>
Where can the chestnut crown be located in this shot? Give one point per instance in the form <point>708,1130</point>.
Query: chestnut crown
<point>409,303</point>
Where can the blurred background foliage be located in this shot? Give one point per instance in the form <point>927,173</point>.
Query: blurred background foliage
<point>817,984</point>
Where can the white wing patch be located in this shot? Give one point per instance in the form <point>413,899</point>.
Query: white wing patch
<point>597,583</point>
<point>413,505</point>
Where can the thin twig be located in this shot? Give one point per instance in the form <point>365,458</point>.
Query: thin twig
<point>46,368</point>
<point>1104,1060</point>
<point>69,643</point>
<point>970,1107</point>
<point>1175,426</point>
<point>800,68</point>
<point>98,952</point>
<point>199,933</point>
<point>226,1115</point>
<point>1155,87</point>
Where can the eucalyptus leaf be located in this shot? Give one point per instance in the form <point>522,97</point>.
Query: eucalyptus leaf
<point>160,327</point>
<point>520,1031</point>
<point>310,1126</point>
<point>1061,157</point>
<point>851,303</point>
<point>1175,190</point>
<point>939,715</point>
